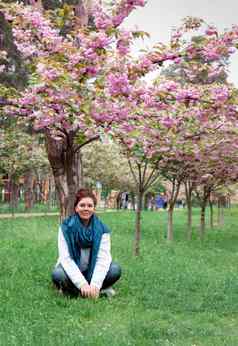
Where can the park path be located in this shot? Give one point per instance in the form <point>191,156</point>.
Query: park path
<point>7,216</point>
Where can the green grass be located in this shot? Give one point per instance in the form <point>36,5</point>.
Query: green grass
<point>181,294</point>
<point>5,208</point>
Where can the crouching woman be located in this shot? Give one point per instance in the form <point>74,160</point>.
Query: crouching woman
<point>84,267</point>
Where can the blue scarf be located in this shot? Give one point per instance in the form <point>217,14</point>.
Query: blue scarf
<point>78,236</point>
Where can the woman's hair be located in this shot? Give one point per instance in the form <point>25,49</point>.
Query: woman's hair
<point>83,193</point>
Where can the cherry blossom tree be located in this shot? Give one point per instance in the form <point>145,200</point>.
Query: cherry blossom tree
<point>66,66</point>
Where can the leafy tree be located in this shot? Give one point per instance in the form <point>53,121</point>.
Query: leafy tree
<point>103,162</point>
<point>20,156</point>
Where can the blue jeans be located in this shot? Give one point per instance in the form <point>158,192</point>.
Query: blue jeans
<point>62,281</point>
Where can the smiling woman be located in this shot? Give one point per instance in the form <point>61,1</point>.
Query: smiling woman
<point>84,267</point>
<point>85,208</point>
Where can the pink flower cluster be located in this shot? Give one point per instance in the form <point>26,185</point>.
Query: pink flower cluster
<point>186,95</point>
<point>220,94</point>
<point>46,72</point>
<point>118,84</point>
<point>119,13</point>
<point>211,30</point>
<point>99,40</point>
<point>123,43</point>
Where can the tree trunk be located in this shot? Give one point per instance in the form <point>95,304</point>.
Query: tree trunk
<point>67,171</point>
<point>28,190</point>
<point>202,220</point>
<point>133,202</point>
<point>7,190</point>
<point>188,192</point>
<point>189,221</point>
<point>138,224</point>
<point>170,233</point>
<point>14,191</point>
<point>172,200</point>
<point>220,218</point>
<point>211,214</point>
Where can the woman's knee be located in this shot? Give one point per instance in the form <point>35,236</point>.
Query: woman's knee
<point>58,275</point>
<point>115,270</point>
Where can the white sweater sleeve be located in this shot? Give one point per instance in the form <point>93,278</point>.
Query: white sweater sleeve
<point>68,263</point>
<point>103,261</point>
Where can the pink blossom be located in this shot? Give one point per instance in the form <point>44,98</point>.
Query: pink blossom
<point>168,122</point>
<point>123,43</point>
<point>145,63</point>
<point>220,94</point>
<point>118,19</point>
<point>211,31</point>
<point>48,72</point>
<point>187,95</point>
<point>122,47</point>
<point>128,127</point>
<point>177,60</point>
<point>75,58</point>
<point>28,99</point>
<point>118,84</point>
<point>90,54</point>
<point>168,86</point>
<point>91,70</point>
<point>176,35</point>
<point>136,2</point>
<point>102,20</point>
<point>101,40</point>
<point>211,53</point>
<point>232,50</point>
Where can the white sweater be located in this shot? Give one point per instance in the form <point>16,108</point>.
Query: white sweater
<point>74,273</point>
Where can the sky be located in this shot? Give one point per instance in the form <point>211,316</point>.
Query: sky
<point>159,17</point>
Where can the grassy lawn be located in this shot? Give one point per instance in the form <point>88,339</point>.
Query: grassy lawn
<point>5,208</point>
<point>182,294</point>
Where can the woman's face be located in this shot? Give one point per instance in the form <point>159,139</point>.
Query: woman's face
<point>85,208</point>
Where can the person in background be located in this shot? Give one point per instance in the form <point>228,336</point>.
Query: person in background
<point>165,198</point>
<point>159,202</point>
<point>84,267</point>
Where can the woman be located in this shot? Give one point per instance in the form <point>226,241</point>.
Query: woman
<point>85,266</point>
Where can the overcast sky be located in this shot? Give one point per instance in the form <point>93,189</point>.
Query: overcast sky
<point>159,17</point>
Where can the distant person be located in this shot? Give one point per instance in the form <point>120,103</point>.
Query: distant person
<point>179,203</point>
<point>124,200</point>
<point>151,203</point>
<point>165,198</point>
<point>84,267</point>
<point>159,202</point>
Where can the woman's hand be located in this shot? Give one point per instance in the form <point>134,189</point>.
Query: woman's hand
<point>88,291</point>
<point>85,291</point>
<point>94,292</point>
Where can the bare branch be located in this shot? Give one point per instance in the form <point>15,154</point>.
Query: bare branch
<point>80,146</point>
<point>132,171</point>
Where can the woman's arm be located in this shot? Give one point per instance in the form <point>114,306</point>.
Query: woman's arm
<point>103,262</point>
<point>68,264</point>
